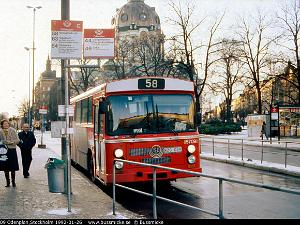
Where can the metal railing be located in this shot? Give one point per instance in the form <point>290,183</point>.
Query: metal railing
<point>220,213</point>
<point>260,152</point>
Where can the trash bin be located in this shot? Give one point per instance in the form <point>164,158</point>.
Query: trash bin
<point>55,169</point>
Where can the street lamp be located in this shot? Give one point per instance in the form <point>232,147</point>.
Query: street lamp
<point>33,47</point>
<point>29,110</point>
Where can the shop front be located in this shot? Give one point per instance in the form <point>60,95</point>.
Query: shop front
<point>289,121</point>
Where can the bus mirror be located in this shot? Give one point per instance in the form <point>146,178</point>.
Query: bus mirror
<point>103,107</point>
<point>198,118</point>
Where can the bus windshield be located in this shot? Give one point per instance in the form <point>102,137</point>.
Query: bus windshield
<point>146,114</point>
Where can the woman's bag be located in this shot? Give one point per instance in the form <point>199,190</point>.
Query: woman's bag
<point>3,156</point>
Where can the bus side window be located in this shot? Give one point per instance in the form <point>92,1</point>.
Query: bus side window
<point>99,120</point>
<point>101,123</point>
<point>96,116</point>
<point>78,112</point>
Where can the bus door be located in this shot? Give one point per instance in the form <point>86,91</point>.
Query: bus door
<point>99,145</point>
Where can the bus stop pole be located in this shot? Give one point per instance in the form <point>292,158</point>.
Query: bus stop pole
<point>65,15</point>
<point>68,139</point>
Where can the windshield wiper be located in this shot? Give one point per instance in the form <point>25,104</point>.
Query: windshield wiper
<point>175,132</point>
<point>134,134</point>
<point>157,118</point>
<point>147,116</point>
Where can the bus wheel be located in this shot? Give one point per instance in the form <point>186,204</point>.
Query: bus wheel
<point>91,168</point>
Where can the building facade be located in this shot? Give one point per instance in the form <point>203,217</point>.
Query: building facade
<point>47,95</point>
<point>278,95</point>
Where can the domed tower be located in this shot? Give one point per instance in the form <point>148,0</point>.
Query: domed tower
<point>134,18</point>
<point>137,23</point>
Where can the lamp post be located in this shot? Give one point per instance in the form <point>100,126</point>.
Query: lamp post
<point>29,108</point>
<point>33,47</point>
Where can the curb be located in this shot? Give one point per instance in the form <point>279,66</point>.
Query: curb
<point>253,166</point>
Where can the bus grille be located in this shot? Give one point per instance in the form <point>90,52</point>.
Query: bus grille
<point>139,151</point>
<point>157,160</point>
<point>146,151</point>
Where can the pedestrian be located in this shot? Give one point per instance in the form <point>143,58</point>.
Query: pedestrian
<point>243,123</point>
<point>9,137</point>
<point>264,131</point>
<point>27,142</point>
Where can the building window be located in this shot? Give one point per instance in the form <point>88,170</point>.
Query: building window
<point>157,20</point>
<point>143,16</point>
<point>90,110</point>
<point>124,17</point>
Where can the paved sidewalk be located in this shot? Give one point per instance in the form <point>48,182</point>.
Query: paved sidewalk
<point>31,198</point>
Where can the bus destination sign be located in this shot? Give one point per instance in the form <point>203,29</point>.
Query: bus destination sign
<point>151,83</point>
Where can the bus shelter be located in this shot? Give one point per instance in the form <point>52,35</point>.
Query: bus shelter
<point>255,123</point>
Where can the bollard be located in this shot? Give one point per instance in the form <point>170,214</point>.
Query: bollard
<point>285,160</point>
<point>213,147</point>
<point>242,149</point>
<point>228,149</point>
<point>221,216</point>
<point>262,151</point>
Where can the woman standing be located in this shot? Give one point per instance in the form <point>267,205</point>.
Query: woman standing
<point>10,138</point>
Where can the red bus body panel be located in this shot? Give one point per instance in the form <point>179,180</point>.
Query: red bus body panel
<point>174,156</point>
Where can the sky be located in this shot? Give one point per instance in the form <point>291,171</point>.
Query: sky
<point>16,30</point>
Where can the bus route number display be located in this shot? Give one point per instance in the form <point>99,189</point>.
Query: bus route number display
<point>151,83</point>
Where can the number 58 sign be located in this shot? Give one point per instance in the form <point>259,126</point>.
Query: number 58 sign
<point>151,83</point>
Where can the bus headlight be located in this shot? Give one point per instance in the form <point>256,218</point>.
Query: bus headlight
<point>191,149</point>
<point>118,153</point>
<point>191,159</point>
<point>119,165</point>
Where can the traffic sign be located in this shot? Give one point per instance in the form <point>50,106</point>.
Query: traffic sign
<point>99,43</point>
<point>43,111</point>
<point>62,110</point>
<point>66,42</point>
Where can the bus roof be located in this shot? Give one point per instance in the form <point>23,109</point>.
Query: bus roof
<point>170,84</point>
<point>88,93</point>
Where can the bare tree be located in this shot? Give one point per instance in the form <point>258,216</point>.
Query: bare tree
<point>123,58</point>
<point>83,79</point>
<point>150,55</point>
<point>230,73</point>
<point>187,48</point>
<point>140,56</point>
<point>23,109</point>
<point>256,49</point>
<point>289,22</point>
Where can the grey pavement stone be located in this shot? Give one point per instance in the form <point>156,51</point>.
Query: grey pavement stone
<point>31,198</point>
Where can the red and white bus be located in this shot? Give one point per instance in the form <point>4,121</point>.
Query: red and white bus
<point>148,120</point>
